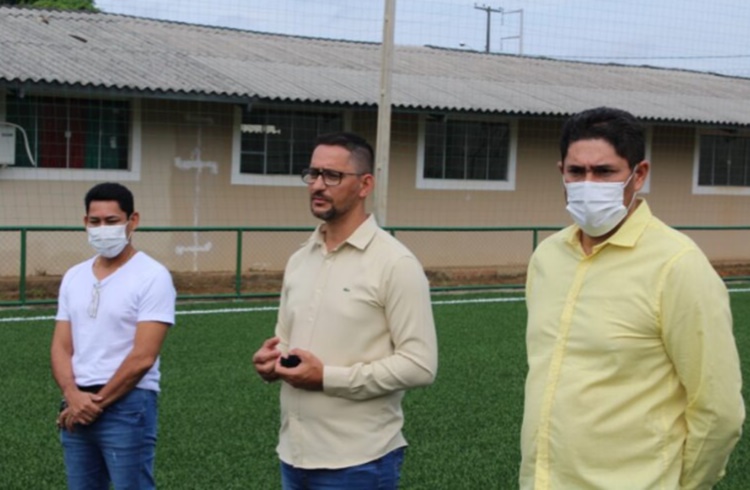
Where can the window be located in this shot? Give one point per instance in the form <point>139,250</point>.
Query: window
<point>722,163</point>
<point>466,154</point>
<point>273,146</point>
<point>72,138</point>
<point>71,133</point>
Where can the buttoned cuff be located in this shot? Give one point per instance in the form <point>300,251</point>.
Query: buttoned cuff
<point>336,380</point>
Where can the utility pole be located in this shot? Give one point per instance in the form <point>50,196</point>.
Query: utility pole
<point>383,142</point>
<point>489,11</point>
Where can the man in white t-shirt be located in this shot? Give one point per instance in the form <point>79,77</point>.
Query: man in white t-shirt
<point>114,311</point>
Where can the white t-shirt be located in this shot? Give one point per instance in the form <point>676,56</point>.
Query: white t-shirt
<point>103,328</point>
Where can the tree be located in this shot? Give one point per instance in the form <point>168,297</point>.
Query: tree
<point>55,4</point>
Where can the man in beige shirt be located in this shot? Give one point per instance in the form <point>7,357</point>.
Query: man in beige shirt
<point>355,314</point>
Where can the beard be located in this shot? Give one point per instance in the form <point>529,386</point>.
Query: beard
<point>325,215</point>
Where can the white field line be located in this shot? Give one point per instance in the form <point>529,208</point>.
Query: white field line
<point>255,309</point>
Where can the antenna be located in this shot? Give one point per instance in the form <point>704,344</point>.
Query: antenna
<point>489,10</point>
<point>518,36</point>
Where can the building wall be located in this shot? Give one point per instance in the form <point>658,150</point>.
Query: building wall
<point>167,195</point>
<point>672,200</point>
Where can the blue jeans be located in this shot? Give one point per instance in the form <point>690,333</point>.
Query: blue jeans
<point>119,447</point>
<point>380,474</point>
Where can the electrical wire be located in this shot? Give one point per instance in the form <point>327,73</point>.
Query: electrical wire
<point>25,140</point>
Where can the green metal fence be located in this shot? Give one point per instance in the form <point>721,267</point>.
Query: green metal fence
<point>17,293</point>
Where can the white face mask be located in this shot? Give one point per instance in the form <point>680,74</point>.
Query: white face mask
<point>597,207</point>
<point>109,241</point>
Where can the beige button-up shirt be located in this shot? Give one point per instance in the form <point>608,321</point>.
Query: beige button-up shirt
<point>364,309</point>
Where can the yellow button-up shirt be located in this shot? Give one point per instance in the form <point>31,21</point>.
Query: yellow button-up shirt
<point>364,310</point>
<point>634,379</point>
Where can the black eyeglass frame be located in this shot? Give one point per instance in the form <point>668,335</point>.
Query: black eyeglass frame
<point>331,178</point>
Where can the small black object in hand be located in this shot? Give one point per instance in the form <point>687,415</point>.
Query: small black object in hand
<point>290,361</point>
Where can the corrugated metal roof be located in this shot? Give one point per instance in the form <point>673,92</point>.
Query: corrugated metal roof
<point>118,52</point>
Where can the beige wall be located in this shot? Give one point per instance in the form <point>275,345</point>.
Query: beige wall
<point>169,196</point>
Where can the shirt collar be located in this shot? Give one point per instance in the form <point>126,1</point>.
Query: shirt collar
<point>361,237</point>
<point>628,233</point>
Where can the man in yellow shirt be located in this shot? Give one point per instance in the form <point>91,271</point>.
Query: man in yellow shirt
<point>634,379</point>
<point>354,331</point>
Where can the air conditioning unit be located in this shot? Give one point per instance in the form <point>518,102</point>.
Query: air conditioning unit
<point>7,145</point>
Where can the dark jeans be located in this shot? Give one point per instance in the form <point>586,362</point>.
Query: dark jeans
<point>380,474</point>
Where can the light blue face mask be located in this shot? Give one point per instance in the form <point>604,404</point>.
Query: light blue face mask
<point>109,240</point>
<point>597,207</point>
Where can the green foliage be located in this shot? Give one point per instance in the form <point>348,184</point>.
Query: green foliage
<point>55,4</point>
<point>218,423</point>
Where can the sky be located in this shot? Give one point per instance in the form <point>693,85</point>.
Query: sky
<point>686,34</point>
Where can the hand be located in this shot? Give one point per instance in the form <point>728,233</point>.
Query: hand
<point>265,359</point>
<point>65,420</point>
<point>82,409</point>
<point>308,375</point>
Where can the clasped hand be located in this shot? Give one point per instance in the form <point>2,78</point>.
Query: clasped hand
<point>83,409</point>
<point>308,375</point>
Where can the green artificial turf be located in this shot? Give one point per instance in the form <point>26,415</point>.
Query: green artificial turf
<point>219,421</point>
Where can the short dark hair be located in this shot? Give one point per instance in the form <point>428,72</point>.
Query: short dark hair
<point>362,153</point>
<point>617,127</point>
<point>111,191</point>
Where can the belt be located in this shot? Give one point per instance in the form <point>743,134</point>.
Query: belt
<point>91,389</point>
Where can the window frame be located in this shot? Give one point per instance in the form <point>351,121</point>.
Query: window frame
<point>716,190</point>
<point>239,178</point>
<point>462,184</point>
<point>133,173</point>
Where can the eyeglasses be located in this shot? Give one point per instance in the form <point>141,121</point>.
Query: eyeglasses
<point>330,177</point>
<point>94,305</point>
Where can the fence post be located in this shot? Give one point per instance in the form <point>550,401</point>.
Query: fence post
<point>22,278</point>
<point>238,266</point>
